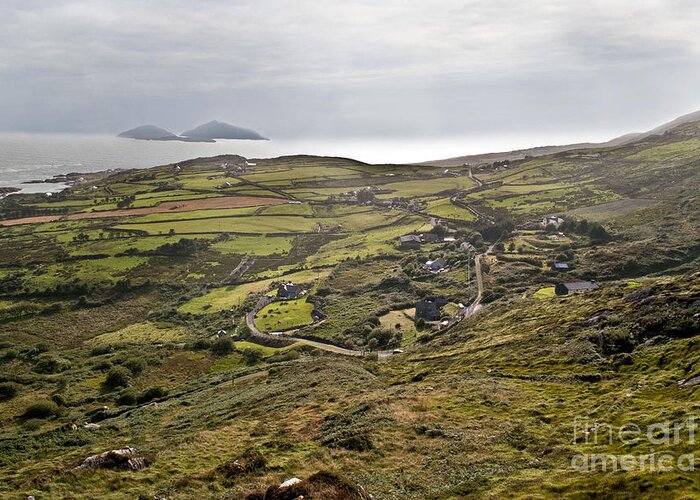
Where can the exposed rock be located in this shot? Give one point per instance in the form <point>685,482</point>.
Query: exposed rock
<point>320,486</point>
<point>123,458</point>
<point>290,482</point>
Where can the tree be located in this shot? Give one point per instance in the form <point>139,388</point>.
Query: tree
<point>440,230</point>
<point>597,232</point>
<point>582,226</point>
<point>365,196</point>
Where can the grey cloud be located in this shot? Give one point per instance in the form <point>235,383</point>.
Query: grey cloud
<point>353,68</point>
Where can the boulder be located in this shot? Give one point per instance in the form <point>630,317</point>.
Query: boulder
<point>123,458</point>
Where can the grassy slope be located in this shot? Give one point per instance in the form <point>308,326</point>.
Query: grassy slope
<point>484,410</point>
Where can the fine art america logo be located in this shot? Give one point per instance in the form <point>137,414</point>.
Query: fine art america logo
<point>659,434</point>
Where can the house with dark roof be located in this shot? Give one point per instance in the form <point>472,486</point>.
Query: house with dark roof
<point>437,265</point>
<point>409,241</point>
<point>575,287</point>
<point>560,266</point>
<point>429,309</point>
<point>465,246</point>
<point>288,291</point>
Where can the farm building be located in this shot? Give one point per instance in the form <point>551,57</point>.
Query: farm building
<point>575,287</point>
<point>288,291</point>
<point>467,247</point>
<point>437,265</point>
<point>429,309</point>
<point>409,241</point>
<point>430,238</point>
<point>560,266</point>
<point>552,221</point>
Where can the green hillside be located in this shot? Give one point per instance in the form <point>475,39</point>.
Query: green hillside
<point>130,307</point>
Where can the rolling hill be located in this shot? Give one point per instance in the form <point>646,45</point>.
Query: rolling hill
<point>546,150</point>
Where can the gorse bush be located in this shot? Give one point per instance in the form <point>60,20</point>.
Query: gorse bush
<point>8,390</point>
<point>41,409</point>
<point>48,363</point>
<point>118,376</point>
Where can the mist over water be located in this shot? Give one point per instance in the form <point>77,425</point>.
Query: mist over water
<point>26,157</point>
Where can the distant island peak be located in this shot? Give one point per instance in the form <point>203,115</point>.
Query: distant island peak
<point>207,132</point>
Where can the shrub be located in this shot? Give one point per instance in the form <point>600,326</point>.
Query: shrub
<point>48,363</point>
<point>118,377</point>
<point>150,394</point>
<point>252,356</point>
<point>223,346</point>
<point>59,399</point>
<point>8,390</point>
<point>135,365</point>
<point>127,397</point>
<point>250,461</point>
<point>9,355</point>
<point>41,409</point>
<point>201,344</point>
<point>101,350</point>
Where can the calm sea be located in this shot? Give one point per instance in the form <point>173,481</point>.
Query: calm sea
<point>26,157</point>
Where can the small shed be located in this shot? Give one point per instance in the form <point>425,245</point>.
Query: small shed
<point>575,287</point>
<point>560,266</point>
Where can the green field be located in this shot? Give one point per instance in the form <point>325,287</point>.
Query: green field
<point>284,315</point>
<point>219,299</point>
<point>252,225</point>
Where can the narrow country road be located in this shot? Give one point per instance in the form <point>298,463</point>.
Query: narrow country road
<point>250,322</point>
<point>466,312</point>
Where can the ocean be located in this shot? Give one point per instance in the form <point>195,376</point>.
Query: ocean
<point>27,157</point>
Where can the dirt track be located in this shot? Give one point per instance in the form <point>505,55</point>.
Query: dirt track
<point>165,207</point>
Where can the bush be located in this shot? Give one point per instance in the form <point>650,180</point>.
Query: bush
<point>41,409</point>
<point>118,377</point>
<point>101,350</point>
<point>150,394</point>
<point>127,397</point>
<point>59,399</point>
<point>252,356</point>
<point>9,355</point>
<point>202,344</point>
<point>223,346</point>
<point>48,363</point>
<point>135,365</point>
<point>8,390</point>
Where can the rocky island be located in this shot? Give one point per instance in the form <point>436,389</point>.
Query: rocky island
<point>204,133</point>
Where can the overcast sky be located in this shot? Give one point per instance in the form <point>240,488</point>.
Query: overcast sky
<point>350,68</point>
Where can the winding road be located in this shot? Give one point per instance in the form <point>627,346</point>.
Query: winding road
<point>464,313</point>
